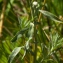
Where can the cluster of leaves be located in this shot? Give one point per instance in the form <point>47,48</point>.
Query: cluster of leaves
<point>32,31</point>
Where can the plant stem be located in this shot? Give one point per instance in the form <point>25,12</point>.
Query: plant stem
<point>2,17</point>
<point>35,41</point>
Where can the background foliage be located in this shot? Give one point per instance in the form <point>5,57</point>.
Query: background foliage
<point>31,31</point>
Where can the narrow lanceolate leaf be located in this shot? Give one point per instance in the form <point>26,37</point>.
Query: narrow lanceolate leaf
<point>50,16</point>
<point>19,32</point>
<point>13,54</point>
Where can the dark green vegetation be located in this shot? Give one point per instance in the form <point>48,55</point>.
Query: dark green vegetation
<point>31,31</point>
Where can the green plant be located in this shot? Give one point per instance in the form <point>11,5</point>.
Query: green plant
<point>35,29</point>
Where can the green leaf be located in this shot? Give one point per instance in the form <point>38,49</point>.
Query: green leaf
<point>9,6</point>
<point>31,30</point>
<point>50,16</point>
<point>56,42</point>
<point>19,32</point>
<point>6,47</point>
<point>13,54</point>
